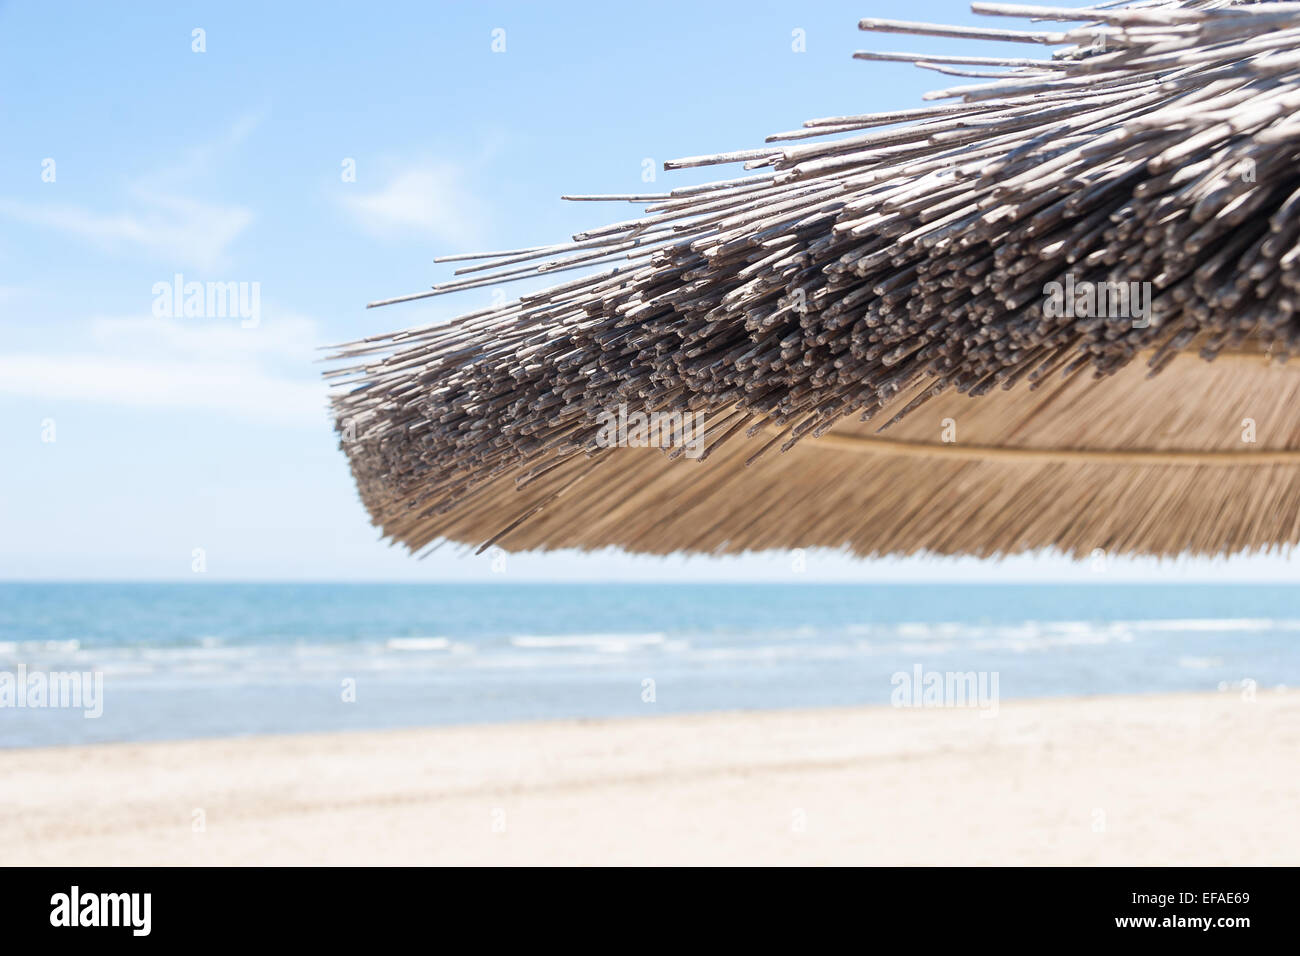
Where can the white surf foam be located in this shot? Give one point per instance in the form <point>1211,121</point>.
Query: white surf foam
<point>606,643</point>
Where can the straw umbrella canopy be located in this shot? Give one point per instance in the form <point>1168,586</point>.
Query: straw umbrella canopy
<point>949,329</point>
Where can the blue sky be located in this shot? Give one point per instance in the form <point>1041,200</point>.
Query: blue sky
<point>226,166</point>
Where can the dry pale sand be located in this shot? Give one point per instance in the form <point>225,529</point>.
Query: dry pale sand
<point>1180,779</point>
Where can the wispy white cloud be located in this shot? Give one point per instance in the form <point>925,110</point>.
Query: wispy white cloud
<point>202,159</point>
<point>119,380</point>
<point>284,335</point>
<point>175,228</point>
<point>159,218</point>
<point>432,200</point>
<point>263,374</point>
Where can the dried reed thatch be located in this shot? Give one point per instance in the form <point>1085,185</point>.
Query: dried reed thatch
<point>840,314</point>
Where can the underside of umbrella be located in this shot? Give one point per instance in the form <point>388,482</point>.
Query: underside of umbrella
<point>935,330</point>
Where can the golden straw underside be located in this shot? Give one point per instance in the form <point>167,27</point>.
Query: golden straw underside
<point>1156,467</point>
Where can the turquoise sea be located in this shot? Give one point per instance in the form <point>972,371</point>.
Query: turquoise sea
<point>200,660</point>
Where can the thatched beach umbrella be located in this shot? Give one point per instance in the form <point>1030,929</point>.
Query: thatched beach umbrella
<point>935,330</point>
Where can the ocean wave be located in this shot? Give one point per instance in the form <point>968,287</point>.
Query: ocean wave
<point>68,646</point>
<point>418,643</point>
<point>606,643</point>
<point>203,653</point>
<point>1033,628</point>
<point>1215,624</point>
<point>1200,663</point>
<point>1211,641</point>
<point>778,652</point>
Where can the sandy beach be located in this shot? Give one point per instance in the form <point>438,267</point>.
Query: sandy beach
<point>1172,779</point>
